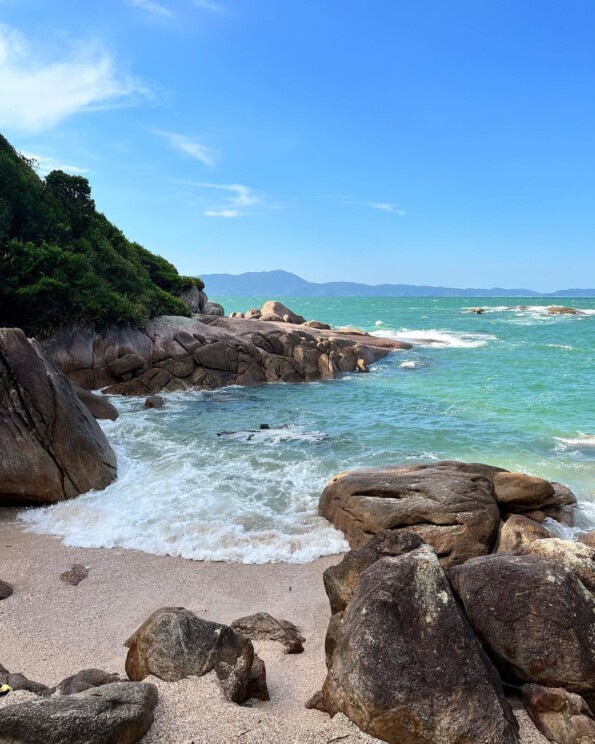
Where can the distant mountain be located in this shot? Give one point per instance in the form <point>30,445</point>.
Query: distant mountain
<point>279,283</point>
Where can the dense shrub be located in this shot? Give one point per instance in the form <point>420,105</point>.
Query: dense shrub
<point>63,264</point>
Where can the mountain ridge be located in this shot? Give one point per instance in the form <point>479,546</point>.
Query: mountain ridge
<point>279,282</point>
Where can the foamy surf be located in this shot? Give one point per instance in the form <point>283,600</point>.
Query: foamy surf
<point>581,441</point>
<point>435,338</point>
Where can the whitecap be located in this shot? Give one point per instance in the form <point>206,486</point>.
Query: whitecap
<point>379,323</point>
<point>409,364</point>
<point>435,338</point>
<point>581,441</point>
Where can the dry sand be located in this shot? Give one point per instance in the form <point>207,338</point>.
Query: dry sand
<point>49,630</point>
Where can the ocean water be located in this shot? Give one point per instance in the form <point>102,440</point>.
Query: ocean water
<point>199,479</point>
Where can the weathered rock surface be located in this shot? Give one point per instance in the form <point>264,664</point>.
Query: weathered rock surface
<point>576,556</point>
<point>340,580</point>
<point>175,353</point>
<point>277,311</point>
<point>85,679</point>
<point>6,589</point>
<point>51,447</point>
<point>98,405</point>
<point>195,299</point>
<point>588,538</point>
<point>174,643</point>
<point>534,617</point>
<point>562,310</point>
<point>213,308</point>
<point>562,717</point>
<point>18,681</point>
<point>257,681</point>
<point>517,492</point>
<point>154,401</point>
<point>449,505</point>
<point>517,531</point>
<point>264,627</point>
<point>117,713</point>
<point>75,574</point>
<point>404,665</point>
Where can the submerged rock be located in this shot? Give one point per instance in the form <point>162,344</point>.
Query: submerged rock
<point>154,401</point>
<point>404,665</point>
<point>117,713</point>
<point>535,618</point>
<point>53,447</point>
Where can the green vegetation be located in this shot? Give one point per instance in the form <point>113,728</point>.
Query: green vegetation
<point>63,264</point>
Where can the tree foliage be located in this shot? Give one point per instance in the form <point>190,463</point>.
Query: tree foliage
<point>63,264</point>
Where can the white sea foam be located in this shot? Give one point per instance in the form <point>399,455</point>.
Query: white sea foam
<point>201,497</point>
<point>560,346</point>
<point>581,441</point>
<point>535,312</point>
<point>274,436</point>
<point>379,323</point>
<point>450,339</point>
<point>410,364</point>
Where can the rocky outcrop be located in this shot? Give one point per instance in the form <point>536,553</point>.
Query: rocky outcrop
<point>518,531</point>
<point>174,643</point>
<point>278,312</point>
<point>51,447</point>
<point>264,627</point>
<point>194,298</point>
<point>176,353</point>
<point>454,506</point>
<point>213,308</point>
<point>404,665</point>
<point>562,717</point>
<point>450,508</point>
<point>534,617</point>
<point>576,556</point>
<point>340,580</point>
<point>562,310</point>
<point>117,713</point>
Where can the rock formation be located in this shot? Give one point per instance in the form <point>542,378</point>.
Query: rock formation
<point>176,353</point>
<point>51,447</point>
<point>404,665</point>
<point>262,626</point>
<point>562,717</point>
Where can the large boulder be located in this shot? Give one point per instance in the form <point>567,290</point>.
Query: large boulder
<point>194,299</point>
<point>404,665</point>
<point>277,311</point>
<point>51,447</point>
<point>213,308</point>
<point>98,405</point>
<point>535,618</point>
<point>264,627</point>
<point>85,680</point>
<point>174,643</point>
<point>449,505</point>
<point>517,492</point>
<point>562,717</point>
<point>577,556</point>
<point>117,713</point>
<point>340,580</point>
<point>518,531</point>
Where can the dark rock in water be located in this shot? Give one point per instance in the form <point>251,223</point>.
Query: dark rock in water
<point>316,702</point>
<point>340,580</point>
<point>84,680</point>
<point>264,627</point>
<point>404,665</point>
<point>264,426</point>
<point>154,401</point>
<point>98,405</point>
<point>6,589</point>
<point>118,713</point>
<point>74,575</point>
<point>174,643</point>
<point>562,717</point>
<point>62,451</point>
<point>449,505</point>
<point>18,681</point>
<point>517,531</point>
<point>535,618</point>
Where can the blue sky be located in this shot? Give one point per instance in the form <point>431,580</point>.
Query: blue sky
<point>432,142</point>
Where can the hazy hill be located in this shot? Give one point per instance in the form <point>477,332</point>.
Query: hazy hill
<point>273,283</point>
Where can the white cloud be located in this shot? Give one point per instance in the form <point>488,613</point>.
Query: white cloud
<point>37,93</point>
<point>45,164</point>
<point>209,5</point>
<point>387,207</point>
<point>189,147</point>
<point>239,199</point>
<point>151,7</point>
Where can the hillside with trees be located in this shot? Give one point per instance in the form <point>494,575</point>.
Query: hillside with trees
<point>63,264</point>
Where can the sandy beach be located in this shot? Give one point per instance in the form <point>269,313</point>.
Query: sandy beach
<point>51,630</point>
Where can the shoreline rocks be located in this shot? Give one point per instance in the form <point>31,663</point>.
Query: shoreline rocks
<point>53,449</point>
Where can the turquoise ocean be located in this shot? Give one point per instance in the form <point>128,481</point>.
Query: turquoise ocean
<point>509,387</point>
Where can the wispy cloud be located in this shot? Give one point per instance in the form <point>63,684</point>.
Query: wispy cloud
<point>37,93</point>
<point>151,7</point>
<point>387,207</point>
<point>210,6</point>
<point>236,204</point>
<point>44,164</point>
<point>189,147</point>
